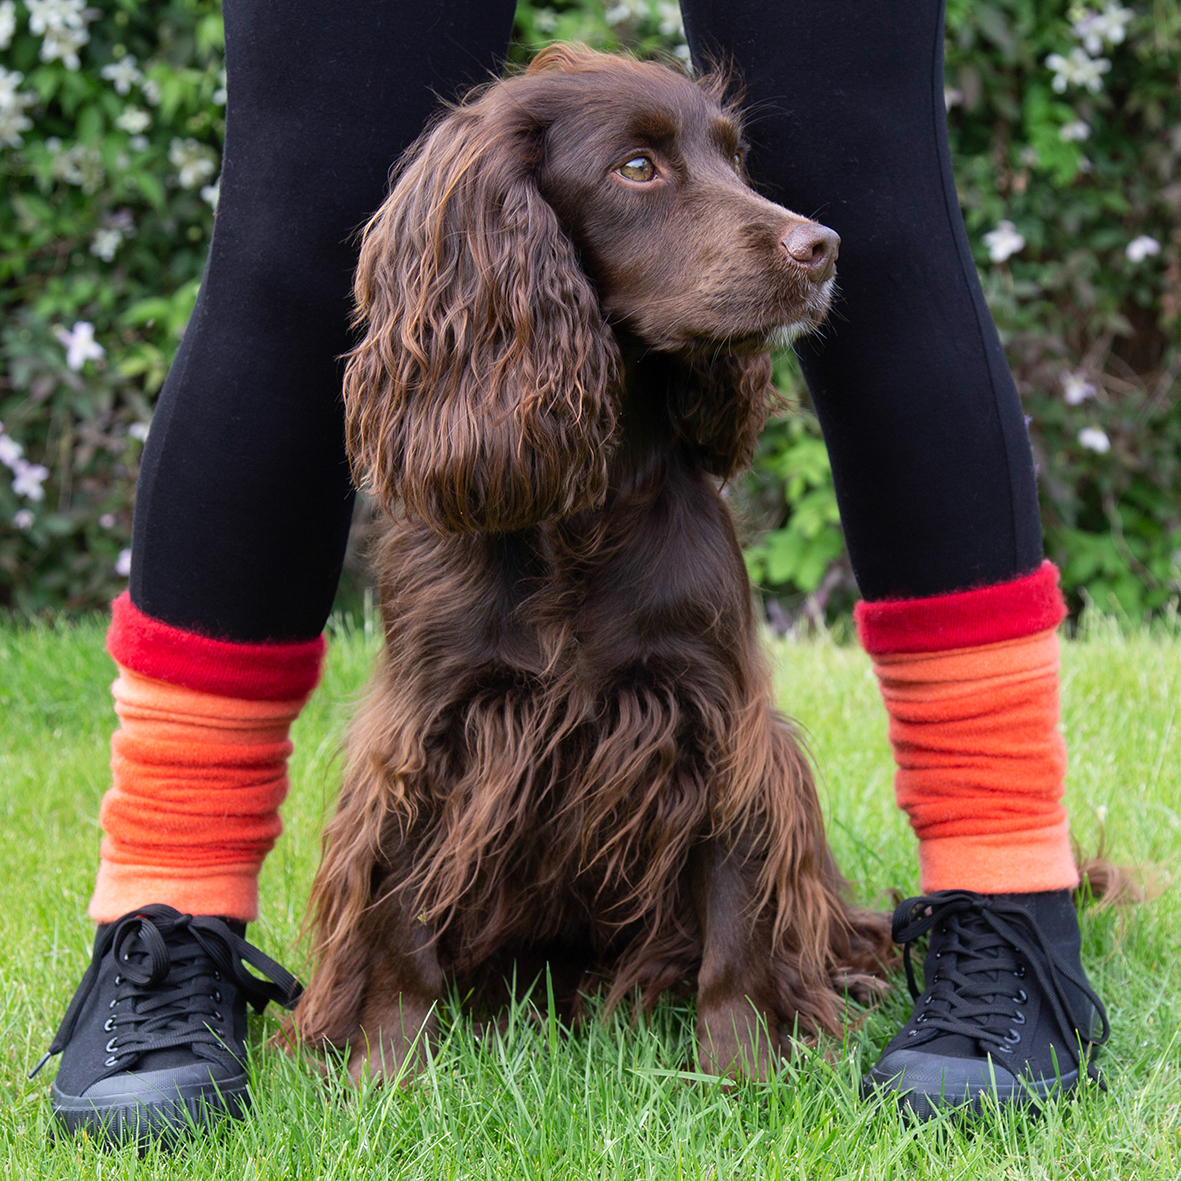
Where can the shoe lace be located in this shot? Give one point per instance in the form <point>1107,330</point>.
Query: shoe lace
<point>163,958</point>
<point>988,938</point>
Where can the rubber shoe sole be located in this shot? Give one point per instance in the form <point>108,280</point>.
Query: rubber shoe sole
<point>925,1097</point>
<point>148,1113</point>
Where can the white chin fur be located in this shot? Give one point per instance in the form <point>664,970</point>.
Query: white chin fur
<point>786,335</point>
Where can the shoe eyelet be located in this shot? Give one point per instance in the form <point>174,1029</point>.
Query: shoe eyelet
<point>111,1061</point>
<point>1020,973</point>
<point>108,1024</point>
<point>1019,1017</point>
<point>1012,1037</point>
<point>1021,997</point>
<point>118,981</point>
<point>216,974</point>
<point>217,1016</point>
<point>112,1045</point>
<point>1004,1049</point>
<point>113,1003</point>
<point>928,1000</point>
<point>217,995</point>
<point>939,955</point>
<point>912,1033</point>
<point>126,958</point>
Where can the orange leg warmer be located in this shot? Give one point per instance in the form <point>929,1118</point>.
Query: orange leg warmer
<point>974,728</point>
<point>199,771</point>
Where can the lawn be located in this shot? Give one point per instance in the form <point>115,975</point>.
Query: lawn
<point>613,1100</point>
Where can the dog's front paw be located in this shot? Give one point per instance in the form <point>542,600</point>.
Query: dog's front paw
<point>737,1041</point>
<point>392,1047</point>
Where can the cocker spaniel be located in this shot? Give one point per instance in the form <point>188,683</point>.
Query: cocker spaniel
<point>569,751</point>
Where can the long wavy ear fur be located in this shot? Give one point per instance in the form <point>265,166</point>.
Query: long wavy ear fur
<point>722,407</point>
<point>483,393</point>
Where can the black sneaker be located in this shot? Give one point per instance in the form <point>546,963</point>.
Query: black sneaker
<point>1007,1010</point>
<point>154,1042</point>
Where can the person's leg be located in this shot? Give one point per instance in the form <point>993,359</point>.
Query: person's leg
<point>938,498</point>
<point>242,515</point>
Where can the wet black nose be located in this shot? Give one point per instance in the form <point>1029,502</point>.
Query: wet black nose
<point>815,248</point>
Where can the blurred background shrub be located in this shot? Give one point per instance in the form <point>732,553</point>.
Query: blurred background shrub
<point>1066,133</point>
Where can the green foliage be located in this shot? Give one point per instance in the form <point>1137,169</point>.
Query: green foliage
<point>1090,308</point>
<point>108,168</point>
<point>110,150</point>
<point>1087,299</point>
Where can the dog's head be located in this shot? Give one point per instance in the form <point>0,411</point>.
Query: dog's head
<point>588,197</point>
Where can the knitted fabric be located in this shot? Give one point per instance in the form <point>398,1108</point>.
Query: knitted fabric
<point>975,735</point>
<point>193,807</point>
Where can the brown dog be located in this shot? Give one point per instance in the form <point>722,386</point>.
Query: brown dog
<point>569,749</point>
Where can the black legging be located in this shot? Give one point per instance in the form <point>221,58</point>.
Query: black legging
<point>244,499</point>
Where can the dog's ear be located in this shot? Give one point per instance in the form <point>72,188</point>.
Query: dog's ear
<point>721,408</point>
<point>483,395</point>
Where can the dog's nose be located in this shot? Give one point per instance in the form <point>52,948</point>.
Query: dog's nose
<point>814,247</point>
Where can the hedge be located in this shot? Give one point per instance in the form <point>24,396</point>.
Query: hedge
<point>1066,135</point>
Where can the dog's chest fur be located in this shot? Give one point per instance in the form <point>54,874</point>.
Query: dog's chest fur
<point>558,660</point>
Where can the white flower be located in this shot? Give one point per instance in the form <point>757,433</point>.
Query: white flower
<point>105,242</point>
<point>12,123</point>
<point>123,563</point>
<point>29,478</point>
<point>13,120</point>
<point>79,165</point>
<point>1094,439</point>
<point>196,162</point>
<point>138,143</point>
<point>151,90</point>
<point>669,16</point>
<point>123,74</point>
<point>1101,813</point>
<point>48,15</point>
<point>1074,132</point>
<point>1076,389</point>
<point>545,20</point>
<point>1094,28</point>
<point>80,344</point>
<point>219,95</point>
<point>139,430</point>
<point>134,120</point>
<point>211,193</point>
<point>627,10</point>
<point>63,45</point>
<point>1138,249</point>
<point>23,518</point>
<point>9,96</point>
<point>10,452</point>
<point>7,23</point>
<point>1078,70</point>
<point>952,97</point>
<point>1003,241</point>
<point>107,521</point>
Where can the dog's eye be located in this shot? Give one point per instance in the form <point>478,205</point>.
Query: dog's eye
<point>640,168</point>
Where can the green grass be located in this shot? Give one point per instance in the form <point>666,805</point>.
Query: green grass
<point>613,1100</point>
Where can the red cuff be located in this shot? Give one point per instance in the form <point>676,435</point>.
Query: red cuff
<point>253,672</point>
<point>966,619</point>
